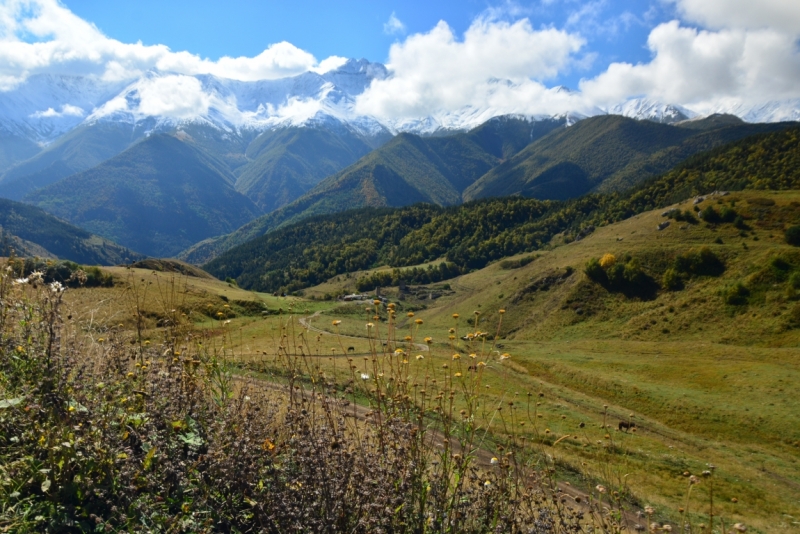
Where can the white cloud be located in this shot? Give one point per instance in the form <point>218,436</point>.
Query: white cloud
<point>180,97</point>
<point>781,15</point>
<point>39,36</point>
<point>701,68</point>
<point>67,110</point>
<point>497,63</point>
<point>393,25</point>
<point>329,64</point>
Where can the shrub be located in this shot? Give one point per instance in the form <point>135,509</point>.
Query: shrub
<point>699,263</point>
<point>672,280</point>
<point>792,235</point>
<point>710,215</point>
<point>607,261</point>
<point>64,272</point>
<point>682,216</point>
<point>727,214</point>
<point>628,278</point>
<point>736,295</point>
<point>794,280</point>
<point>516,264</point>
<point>596,272</point>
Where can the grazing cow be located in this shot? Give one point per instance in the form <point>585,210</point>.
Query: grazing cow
<point>472,368</point>
<point>351,349</point>
<point>624,425</point>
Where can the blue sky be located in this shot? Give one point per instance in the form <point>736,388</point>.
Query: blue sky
<point>615,31</point>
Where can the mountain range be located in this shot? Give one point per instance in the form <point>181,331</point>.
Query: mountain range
<point>539,159</point>
<point>170,164</point>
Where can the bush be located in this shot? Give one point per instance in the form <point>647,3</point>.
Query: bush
<point>699,263</point>
<point>794,280</point>
<point>607,261</point>
<point>727,214</point>
<point>672,280</point>
<point>792,235</point>
<point>736,295</point>
<point>516,264</point>
<point>596,272</point>
<point>64,272</point>
<point>710,215</point>
<point>682,216</point>
<point>628,278</point>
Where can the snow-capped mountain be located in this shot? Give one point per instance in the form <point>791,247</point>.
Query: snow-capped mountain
<point>234,105</point>
<point>647,109</point>
<point>773,111</point>
<point>45,107</point>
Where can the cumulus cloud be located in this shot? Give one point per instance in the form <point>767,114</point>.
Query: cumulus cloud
<point>497,63</point>
<point>393,25</point>
<point>781,15</point>
<point>180,97</point>
<point>39,36</point>
<point>67,110</point>
<point>702,68</point>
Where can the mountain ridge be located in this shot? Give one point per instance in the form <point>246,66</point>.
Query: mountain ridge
<point>158,197</point>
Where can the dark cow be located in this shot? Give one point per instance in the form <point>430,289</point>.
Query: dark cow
<point>624,425</point>
<point>351,349</point>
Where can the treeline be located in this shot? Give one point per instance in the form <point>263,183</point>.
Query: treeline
<point>413,275</point>
<point>314,250</point>
<point>472,235</point>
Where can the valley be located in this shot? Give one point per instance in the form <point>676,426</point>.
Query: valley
<point>594,315</point>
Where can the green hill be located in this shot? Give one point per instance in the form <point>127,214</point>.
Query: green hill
<point>406,170</point>
<point>604,153</point>
<point>77,151</point>
<point>474,234</point>
<point>22,225</point>
<point>283,164</point>
<point>158,197</point>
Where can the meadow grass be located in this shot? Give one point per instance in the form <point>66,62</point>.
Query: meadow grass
<point>715,389</point>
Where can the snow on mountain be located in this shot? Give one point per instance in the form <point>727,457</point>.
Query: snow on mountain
<point>231,105</point>
<point>773,111</point>
<point>646,109</point>
<point>47,106</point>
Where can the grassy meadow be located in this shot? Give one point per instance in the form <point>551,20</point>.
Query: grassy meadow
<point>706,372</point>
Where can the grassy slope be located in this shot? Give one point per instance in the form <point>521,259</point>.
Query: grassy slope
<point>707,382</point>
<point>58,238</point>
<point>158,197</point>
<point>607,153</point>
<point>718,388</point>
<point>472,235</point>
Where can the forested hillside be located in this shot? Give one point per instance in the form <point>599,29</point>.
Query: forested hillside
<point>406,170</point>
<point>284,164</point>
<point>79,150</point>
<point>52,236</point>
<point>157,197</point>
<point>474,234</point>
<point>605,153</point>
